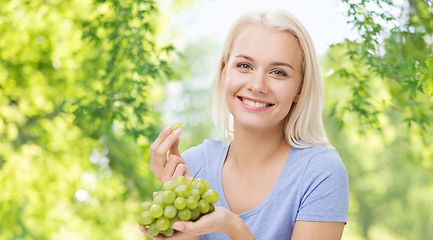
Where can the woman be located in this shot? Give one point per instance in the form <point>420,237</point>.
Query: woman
<point>277,175</point>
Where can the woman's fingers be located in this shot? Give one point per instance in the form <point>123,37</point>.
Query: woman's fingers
<point>181,170</point>
<point>175,167</point>
<point>155,145</point>
<point>195,228</point>
<point>170,141</point>
<point>170,168</point>
<point>174,149</point>
<point>159,150</point>
<point>187,175</point>
<point>202,226</point>
<point>213,222</point>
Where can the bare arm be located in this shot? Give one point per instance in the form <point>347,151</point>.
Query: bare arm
<point>306,230</point>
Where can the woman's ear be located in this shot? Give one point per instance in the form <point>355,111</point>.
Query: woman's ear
<point>223,74</point>
<point>298,95</point>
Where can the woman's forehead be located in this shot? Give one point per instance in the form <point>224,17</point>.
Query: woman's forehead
<point>260,43</point>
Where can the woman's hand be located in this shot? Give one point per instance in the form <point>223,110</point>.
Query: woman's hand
<point>168,169</point>
<point>221,220</point>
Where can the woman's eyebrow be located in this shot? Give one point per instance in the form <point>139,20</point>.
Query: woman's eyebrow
<point>282,64</point>
<point>244,56</point>
<point>272,64</point>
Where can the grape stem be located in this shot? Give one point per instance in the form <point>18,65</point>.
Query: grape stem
<point>195,175</point>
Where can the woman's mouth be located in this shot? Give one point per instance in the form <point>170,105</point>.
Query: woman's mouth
<point>254,104</point>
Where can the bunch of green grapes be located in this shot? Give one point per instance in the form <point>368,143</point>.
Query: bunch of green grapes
<point>178,201</point>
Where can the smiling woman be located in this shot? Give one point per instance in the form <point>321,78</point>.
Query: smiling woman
<point>278,177</point>
<point>259,77</point>
<point>306,123</point>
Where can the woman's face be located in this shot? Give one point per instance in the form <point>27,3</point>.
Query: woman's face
<point>262,77</point>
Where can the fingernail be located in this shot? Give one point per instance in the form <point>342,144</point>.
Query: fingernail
<point>178,226</point>
<point>177,132</point>
<point>167,130</point>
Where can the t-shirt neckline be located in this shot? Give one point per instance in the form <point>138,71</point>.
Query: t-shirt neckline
<point>261,205</point>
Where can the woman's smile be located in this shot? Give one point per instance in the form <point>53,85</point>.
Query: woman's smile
<point>255,105</point>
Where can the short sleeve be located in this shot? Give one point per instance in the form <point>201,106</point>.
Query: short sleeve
<point>324,189</point>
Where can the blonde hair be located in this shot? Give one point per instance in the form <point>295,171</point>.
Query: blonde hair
<point>303,124</point>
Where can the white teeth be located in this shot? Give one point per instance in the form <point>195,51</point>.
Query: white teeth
<point>253,104</point>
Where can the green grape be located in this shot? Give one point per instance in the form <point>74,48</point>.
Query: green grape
<point>162,223</point>
<point>173,220</point>
<point>193,183</point>
<point>169,232</point>
<point>195,214</point>
<point>211,196</point>
<point>203,206</point>
<point>195,194</point>
<point>180,181</point>
<point>159,193</point>
<point>184,215</point>
<point>182,191</point>
<point>170,211</point>
<point>180,203</point>
<point>153,230</point>
<point>145,206</point>
<point>206,184</point>
<point>211,208</point>
<point>178,200</point>
<point>191,203</point>
<point>158,201</point>
<point>169,186</point>
<point>145,219</point>
<point>168,197</point>
<point>156,211</point>
<point>176,126</point>
<point>201,186</point>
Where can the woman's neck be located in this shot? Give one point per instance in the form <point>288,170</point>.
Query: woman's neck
<point>251,150</point>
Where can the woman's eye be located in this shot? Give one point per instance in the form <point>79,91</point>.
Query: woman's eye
<point>244,65</point>
<point>280,73</point>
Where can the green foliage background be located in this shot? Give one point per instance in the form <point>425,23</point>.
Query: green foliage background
<point>84,86</point>
<point>78,80</point>
<point>379,91</point>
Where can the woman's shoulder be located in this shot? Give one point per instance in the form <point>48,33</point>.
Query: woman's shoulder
<point>321,159</point>
<point>323,185</point>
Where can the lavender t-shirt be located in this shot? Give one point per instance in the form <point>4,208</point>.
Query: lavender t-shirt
<point>313,186</point>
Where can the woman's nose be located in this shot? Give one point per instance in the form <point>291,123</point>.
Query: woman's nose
<point>257,83</point>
